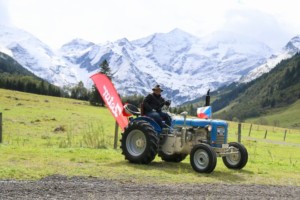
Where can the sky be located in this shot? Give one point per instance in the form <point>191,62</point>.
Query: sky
<point>56,22</point>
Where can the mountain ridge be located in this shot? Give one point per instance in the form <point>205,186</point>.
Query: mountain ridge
<point>276,89</point>
<point>185,65</point>
<point>15,77</point>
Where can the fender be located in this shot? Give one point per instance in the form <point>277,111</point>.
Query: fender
<point>156,127</point>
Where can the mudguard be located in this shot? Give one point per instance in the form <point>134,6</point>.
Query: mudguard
<point>156,127</point>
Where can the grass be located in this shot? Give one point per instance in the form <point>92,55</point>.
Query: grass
<point>285,117</point>
<point>275,134</point>
<point>48,120</point>
<point>46,135</point>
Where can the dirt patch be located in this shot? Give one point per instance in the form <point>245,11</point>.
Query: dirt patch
<point>62,187</point>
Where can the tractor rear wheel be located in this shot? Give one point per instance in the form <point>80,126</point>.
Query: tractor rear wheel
<point>236,161</point>
<point>139,142</point>
<point>203,158</point>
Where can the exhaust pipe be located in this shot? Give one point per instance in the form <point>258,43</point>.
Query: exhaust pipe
<point>207,98</point>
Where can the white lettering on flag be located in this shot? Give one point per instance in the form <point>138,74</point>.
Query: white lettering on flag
<point>115,107</point>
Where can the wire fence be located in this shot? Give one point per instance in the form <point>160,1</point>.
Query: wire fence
<point>263,132</point>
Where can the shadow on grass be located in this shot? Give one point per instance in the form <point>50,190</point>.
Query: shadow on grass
<point>183,168</point>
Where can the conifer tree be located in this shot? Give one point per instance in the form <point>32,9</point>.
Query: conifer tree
<point>79,92</point>
<point>105,69</point>
<point>95,97</point>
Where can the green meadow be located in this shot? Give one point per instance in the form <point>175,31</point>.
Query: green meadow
<point>288,116</point>
<point>45,135</point>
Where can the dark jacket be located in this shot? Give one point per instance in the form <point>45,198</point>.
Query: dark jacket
<point>153,101</point>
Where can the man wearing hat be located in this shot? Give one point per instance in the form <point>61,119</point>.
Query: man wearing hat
<point>153,104</point>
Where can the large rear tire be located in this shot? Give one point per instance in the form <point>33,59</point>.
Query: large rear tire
<point>203,158</point>
<point>139,142</point>
<point>236,161</point>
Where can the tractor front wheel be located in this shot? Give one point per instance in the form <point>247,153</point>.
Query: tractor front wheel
<point>203,158</point>
<point>139,142</point>
<point>238,160</point>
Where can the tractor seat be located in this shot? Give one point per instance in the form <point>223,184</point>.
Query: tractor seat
<point>131,110</point>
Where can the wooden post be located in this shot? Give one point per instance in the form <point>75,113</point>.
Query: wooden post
<point>0,127</point>
<point>239,132</point>
<point>250,130</point>
<point>266,133</point>
<point>284,135</point>
<point>116,136</point>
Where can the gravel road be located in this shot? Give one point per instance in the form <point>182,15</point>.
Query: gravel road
<point>62,187</point>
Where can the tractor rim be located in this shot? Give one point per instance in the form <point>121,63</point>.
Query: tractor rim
<point>201,159</point>
<point>136,142</point>
<point>234,159</point>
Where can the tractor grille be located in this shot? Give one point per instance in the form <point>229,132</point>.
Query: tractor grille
<point>220,139</point>
<point>221,132</point>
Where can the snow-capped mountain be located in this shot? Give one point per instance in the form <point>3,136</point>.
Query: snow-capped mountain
<point>293,46</point>
<point>184,65</point>
<point>290,49</point>
<point>36,56</point>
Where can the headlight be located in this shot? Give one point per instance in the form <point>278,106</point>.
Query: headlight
<point>221,130</point>
<point>208,128</point>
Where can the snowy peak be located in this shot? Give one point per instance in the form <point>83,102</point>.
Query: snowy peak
<point>10,36</point>
<point>290,49</point>
<point>180,62</point>
<point>173,39</point>
<point>36,56</point>
<point>184,65</point>
<point>76,45</point>
<point>165,49</point>
<point>74,50</point>
<point>124,42</point>
<point>293,45</point>
<point>178,36</point>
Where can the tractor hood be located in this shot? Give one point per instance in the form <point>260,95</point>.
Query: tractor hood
<point>196,122</point>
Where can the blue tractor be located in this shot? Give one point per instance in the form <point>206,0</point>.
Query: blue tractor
<point>203,139</point>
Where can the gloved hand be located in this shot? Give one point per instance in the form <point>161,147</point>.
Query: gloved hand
<point>168,103</point>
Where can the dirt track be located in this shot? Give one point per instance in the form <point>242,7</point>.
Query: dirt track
<point>61,187</point>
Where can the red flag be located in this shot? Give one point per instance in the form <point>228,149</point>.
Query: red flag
<point>110,97</point>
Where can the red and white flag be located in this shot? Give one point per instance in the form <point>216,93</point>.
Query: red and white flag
<point>204,112</point>
<point>111,98</point>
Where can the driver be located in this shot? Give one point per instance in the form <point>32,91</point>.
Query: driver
<point>153,104</point>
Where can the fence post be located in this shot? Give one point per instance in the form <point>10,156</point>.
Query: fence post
<point>284,135</point>
<point>266,133</point>
<point>116,135</point>
<point>0,127</point>
<point>250,130</point>
<point>239,132</point>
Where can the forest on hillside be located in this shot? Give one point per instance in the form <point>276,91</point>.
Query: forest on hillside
<point>278,88</point>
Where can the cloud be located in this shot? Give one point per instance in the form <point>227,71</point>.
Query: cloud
<point>4,17</point>
<point>259,25</point>
<point>58,21</point>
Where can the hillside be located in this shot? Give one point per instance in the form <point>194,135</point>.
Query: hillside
<point>282,117</point>
<point>9,65</point>
<point>272,92</point>
<point>15,77</point>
